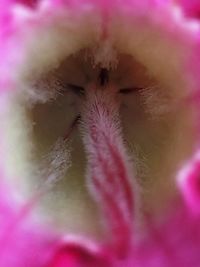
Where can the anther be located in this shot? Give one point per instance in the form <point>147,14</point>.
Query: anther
<point>76,89</point>
<point>103,77</point>
<point>126,91</point>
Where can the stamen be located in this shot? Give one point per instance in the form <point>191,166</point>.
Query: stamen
<point>72,126</point>
<point>109,170</point>
<point>56,163</point>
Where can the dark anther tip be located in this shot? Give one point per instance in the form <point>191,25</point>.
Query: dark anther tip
<point>76,89</point>
<point>103,77</point>
<point>126,91</point>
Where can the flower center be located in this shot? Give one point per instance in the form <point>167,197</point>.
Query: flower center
<point>50,114</point>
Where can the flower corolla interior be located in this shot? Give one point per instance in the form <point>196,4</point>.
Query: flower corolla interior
<point>98,116</point>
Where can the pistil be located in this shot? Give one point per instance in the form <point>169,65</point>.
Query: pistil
<point>109,175</point>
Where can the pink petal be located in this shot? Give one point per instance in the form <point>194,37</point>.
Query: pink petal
<point>189,183</point>
<point>77,255</point>
<point>191,8</point>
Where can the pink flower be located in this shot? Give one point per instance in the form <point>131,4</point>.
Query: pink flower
<point>113,86</point>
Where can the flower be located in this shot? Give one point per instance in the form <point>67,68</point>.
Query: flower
<point>113,75</point>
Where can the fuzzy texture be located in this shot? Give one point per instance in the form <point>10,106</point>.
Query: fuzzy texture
<point>169,240</point>
<point>109,170</point>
